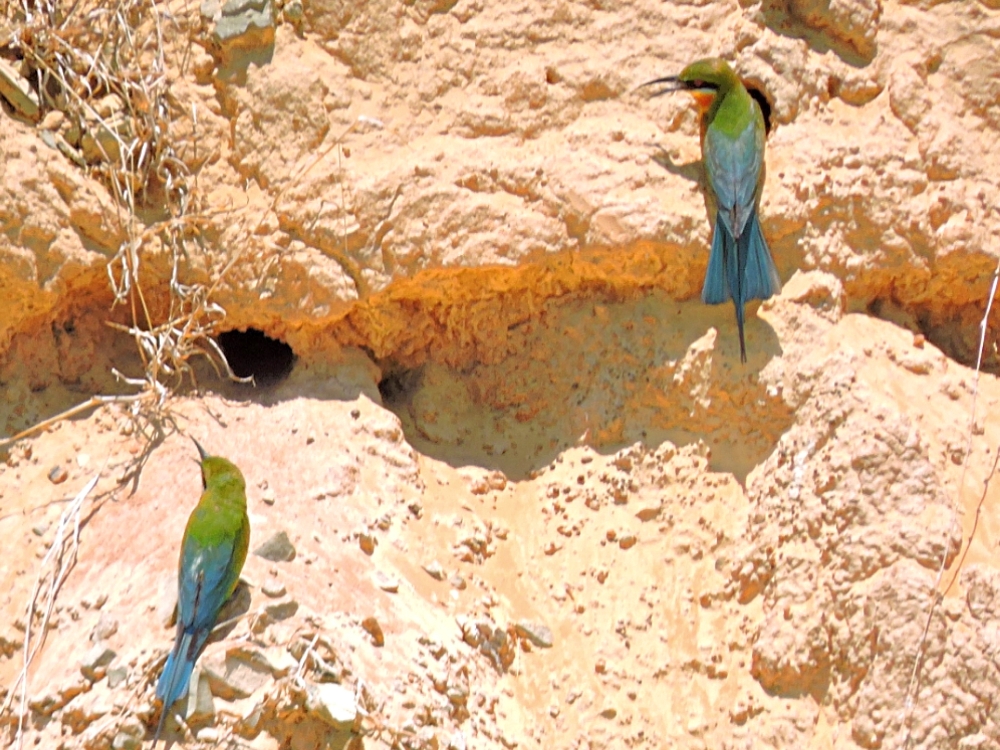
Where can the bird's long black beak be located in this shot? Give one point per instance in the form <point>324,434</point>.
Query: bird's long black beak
<point>671,83</point>
<point>201,450</point>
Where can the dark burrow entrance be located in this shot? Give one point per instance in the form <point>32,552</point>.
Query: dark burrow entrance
<point>252,353</point>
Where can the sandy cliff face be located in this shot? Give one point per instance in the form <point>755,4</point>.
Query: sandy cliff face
<point>529,496</point>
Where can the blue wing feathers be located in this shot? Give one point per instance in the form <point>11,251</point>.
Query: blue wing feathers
<point>716,288</point>
<point>204,587</point>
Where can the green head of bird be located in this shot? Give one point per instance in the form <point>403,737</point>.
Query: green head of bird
<point>216,471</point>
<point>704,79</point>
<point>709,80</point>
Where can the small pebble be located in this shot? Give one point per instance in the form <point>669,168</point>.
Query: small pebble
<point>537,633</point>
<point>116,676</point>
<point>52,120</point>
<point>386,583</point>
<point>278,548</point>
<point>58,475</point>
<point>333,704</point>
<point>106,627</point>
<point>281,610</point>
<point>434,570</point>
<point>367,543</point>
<point>273,588</point>
<point>125,741</point>
<point>374,630</point>
<point>94,664</point>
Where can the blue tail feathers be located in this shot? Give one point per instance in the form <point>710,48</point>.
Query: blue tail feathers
<point>173,682</point>
<point>740,269</point>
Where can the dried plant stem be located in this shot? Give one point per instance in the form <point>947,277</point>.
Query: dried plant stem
<point>54,569</point>
<point>90,403</point>
<point>913,685</point>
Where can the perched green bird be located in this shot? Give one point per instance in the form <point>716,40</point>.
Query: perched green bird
<point>740,266</point>
<point>213,551</point>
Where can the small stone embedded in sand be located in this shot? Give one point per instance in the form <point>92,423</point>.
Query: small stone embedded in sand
<point>457,582</point>
<point>648,514</point>
<point>278,548</point>
<point>386,583</point>
<point>371,625</point>
<point>458,695</point>
<point>208,734</point>
<point>538,634</point>
<point>52,121</point>
<point>116,676</point>
<point>58,474</point>
<point>268,497</point>
<point>609,713</point>
<point>237,673</point>
<point>200,704</point>
<point>273,588</point>
<point>71,688</point>
<point>281,610</point>
<point>123,741</point>
<point>497,481</point>
<point>627,541</point>
<point>93,664</point>
<point>332,704</point>
<point>106,627</point>
<point>367,543</point>
<point>434,570</point>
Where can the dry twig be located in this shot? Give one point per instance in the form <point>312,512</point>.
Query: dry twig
<point>913,685</point>
<point>55,567</point>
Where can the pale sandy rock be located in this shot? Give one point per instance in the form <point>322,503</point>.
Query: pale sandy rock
<point>538,634</point>
<point>199,708</point>
<point>94,663</point>
<point>851,22</point>
<point>276,548</point>
<point>273,588</point>
<point>486,249</point>
<point>333,704</point>
<point>237,673</point>
<point>124,741</point>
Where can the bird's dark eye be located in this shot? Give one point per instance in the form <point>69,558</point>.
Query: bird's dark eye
<point>698,84</point>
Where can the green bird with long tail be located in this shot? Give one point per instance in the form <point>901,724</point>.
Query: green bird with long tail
<point>740,266</point>
<point>213,551</point>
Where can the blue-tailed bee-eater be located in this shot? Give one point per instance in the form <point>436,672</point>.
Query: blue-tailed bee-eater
<point>740,266</point>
